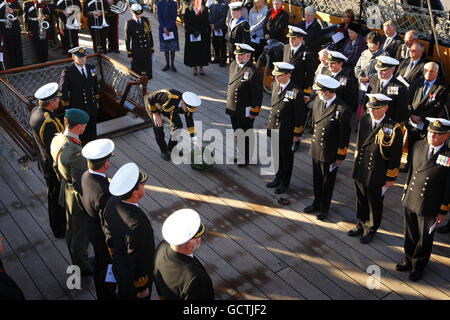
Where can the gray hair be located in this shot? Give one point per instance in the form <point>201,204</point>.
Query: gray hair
<point>323,52</point>
<point>310,10</point>
<point>391,23</point>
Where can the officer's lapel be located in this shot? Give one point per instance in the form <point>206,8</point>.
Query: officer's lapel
<point>370,138</point>
<point>238,74</point>
<point>432,161</point>
<point>327,112</point>
<point>430,91</point>
<point>281,96</point>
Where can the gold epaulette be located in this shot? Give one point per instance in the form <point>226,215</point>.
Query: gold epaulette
<point>342,152</point>
<point>298,130</point>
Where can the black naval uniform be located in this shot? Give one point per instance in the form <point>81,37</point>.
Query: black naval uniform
<point>348,90</point>
<point>44,126</point>
<point>82,93</point>
<point>180,277</point>
<point>431,104</point>
<point>394,89</point>
<point>133,247</point>
<point>69,37</point>
<point>276,28</point>
<point>139,43</point>
<point>94,195</point>
<point>97,31</point>
<point>373,168</point>
<point>167,103</point>
<point>288,114</point>
<point>303,62</point>
<point>329,143</point>
<point>39,36</point>
<point>11,36</point>
<point>245,90</point>
<point>426,194</point>
<point>239,34</point>
<point>113,30</point>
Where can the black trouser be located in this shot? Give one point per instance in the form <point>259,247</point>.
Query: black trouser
<point>142,66</point>
<point>245,124</point>
<point>159,134</point>
<point>104,290</point>
<point>323,184</point>
<point>285,160</point>
<point>98,39</point>
<point>418,241</point>
<point>56,213</point>
<point>113,34</point>
<point>90,133</point>
<point>13,46</point>
<point>41,47</point>
<point>220,47</point>
<point>413,136</point>
<point>69,39</point>
<point>369,207</point>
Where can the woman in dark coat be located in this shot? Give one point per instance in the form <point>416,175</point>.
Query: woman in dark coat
<point>197,52</point>
<point>167,17</point>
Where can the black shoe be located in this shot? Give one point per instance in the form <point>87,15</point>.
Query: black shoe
<point>444,229</point>
<point>403,266</point>
<point>296,146</point>
<point>366,238</point>
<point>242,165</point>
<point>166,68</point>
<point>311,209</point>
<point>214,61</point>
<point>173,69</point>
<point>322,215</point>
<point>281,189</point>
<point>273,184</point>
<point>165,156</point>
<point>355,231</point>
<point>116,50</point>
<point>415,275</point>
<point>222,64</point>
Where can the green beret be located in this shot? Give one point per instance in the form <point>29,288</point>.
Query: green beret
<point>77,116</point>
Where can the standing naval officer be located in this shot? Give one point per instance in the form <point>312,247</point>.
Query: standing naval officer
<point>244,97</point>
<point>426,196</point>
<point>331,119</point>
<point>377,158</point>
<point>94,195</point>
<point>132,234</point>
<point>78,83</point>
<point>179,275</point>
<point>170,103</point>
<point>288,115</point>
<point>139,42</point>
<point>44,125</point>
<point>69,165</point>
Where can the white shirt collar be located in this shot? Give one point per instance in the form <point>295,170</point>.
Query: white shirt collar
<point>134,204</point>
<point>71,134</point>
<point>330,101</point>
<point>392,36</point>
<point>97,173</point>
<point>285,85</point>
<point>377,122</point>
<point>296,48</point>
<point>436,149</point>
<point>81,68</point>
<point>335,74</point>
<point>384,82</point>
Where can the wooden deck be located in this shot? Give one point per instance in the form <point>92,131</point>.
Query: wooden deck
<point>254,248</point>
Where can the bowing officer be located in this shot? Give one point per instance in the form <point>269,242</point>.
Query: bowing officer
<point>78,84</point>
<point>384,82</point>
<point>10,31</point>
<point>348,90</point>
<point>132,234</point>
<point>94,195</point>
<point>94,11</point>
<point>34,11</point>
<point>331,119</point>
<point>426,196</point>
<point>170,103</point>
<point>139,42</point>
<point>44,125</point>
<point>69,165</point>
<point>377,158</point>
<point>238,29</point>
<point>288,115</point>
<point>179,275</point>
<point>244,97</point>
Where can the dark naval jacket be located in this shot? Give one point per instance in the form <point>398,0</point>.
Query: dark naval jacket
<point>245,89</point>
<point>138,38</point>
<point>378,152</point>
<point>332,129</point>
<point>303,62</point>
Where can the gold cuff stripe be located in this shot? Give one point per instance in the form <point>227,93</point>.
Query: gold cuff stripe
<point>444,207</point>
<point>255,109</point>
<point>342,152</point>
<point>298,129</point>
<point>191,130</point>
<point>392,173</point>
<point>307,90</point>
<point>142,281</point>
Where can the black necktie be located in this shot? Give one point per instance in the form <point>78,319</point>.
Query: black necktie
<point>408,70</point>
<point>425,88</point>
<point>431,153</point>
<point>84,73</point>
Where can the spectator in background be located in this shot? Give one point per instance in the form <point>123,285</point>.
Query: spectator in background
<point>403,50</point>
<point>257,17</point>
<point>167,17</point>
<point>391,40</point>
<point>412,68</point>
<point>355,44</point>
<point>238,29</point>
<point>197,44</point>
<point>217,19</point>
<point>365,67</point>
<point>244,13</point>
<point>347,18</point>
<point>313,29</point>
<point>275,25</point>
